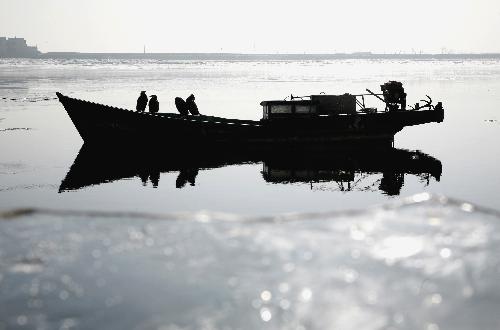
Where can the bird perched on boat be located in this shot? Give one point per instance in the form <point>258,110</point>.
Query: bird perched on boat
<point>191,105</point>
<point>154,105</point>
<point>142,102</point>
<point>181,106</point>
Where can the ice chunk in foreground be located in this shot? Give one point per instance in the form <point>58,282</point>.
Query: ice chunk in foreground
<point>424,263</point>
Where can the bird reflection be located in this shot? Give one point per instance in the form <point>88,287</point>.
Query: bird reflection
<point>153,176</point>
<point>187,175</point>
<point>381,169</point>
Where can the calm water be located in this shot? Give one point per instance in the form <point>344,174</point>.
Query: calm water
<point>38,142</point>
<point>422,264</point>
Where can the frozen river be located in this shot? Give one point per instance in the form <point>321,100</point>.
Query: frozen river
<point>265,243</point>
<point>38,142</point>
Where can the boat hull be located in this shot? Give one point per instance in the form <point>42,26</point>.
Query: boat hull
<point>100,124</point>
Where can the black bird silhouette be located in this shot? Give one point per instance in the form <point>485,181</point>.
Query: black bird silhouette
<point>154,105</point>
<point>142,101</point>
<point>191,105</point>
<point>181,106</point>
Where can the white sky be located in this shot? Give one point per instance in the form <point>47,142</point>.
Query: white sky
<point>261,26</point>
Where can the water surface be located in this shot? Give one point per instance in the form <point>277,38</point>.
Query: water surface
<point>39,144</point>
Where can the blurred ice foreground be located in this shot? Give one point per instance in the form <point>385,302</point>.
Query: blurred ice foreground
<point>424,263</point>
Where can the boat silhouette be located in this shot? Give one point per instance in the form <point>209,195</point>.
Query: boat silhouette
<point>314,119</point>
<point>95,166</point>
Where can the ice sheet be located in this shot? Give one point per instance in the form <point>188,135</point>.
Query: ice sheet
<point>421,263</point>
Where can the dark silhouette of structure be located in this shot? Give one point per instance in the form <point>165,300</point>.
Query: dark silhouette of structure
<point>350,169</point>
<point>154,105</point>
<point>17,47</point>
<point>394,95</point>
<point>191,105</point>
<point>142,102</point>
<point>315,119</point>
<point>391,183</point>
<point>343,168</point>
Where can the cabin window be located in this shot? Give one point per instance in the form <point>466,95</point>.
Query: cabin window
<point>279,174</point>
<point>281,109</point>
<point>304,175</point>
<point>305,109</point>
<point>302,109</point>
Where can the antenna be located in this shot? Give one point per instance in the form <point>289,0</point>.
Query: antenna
<point>144,49</point>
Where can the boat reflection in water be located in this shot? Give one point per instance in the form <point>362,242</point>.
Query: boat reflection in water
<point>352,170</point>
<point>346,169</point>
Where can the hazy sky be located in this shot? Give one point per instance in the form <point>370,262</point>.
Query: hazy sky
<point>262,26</point>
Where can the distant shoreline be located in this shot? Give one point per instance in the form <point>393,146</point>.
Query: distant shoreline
<point>260,57</point>
<point>263,57</point>
<point>18,48</point>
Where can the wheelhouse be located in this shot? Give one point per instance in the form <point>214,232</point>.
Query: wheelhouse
<point>393,96</point>
<point>313,106</point>
<point>287,109</point>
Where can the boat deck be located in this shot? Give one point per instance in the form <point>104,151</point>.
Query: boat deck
<point>99,123</point>
<point>169,115</point>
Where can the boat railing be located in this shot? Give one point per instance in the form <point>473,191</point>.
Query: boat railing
<point>208,119</point>
<point>362,108</point>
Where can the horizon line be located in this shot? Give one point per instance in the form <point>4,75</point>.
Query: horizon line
<point>276,53</point>
<point>268,56</point>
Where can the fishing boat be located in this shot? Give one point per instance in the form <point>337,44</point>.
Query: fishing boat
<point>313,120</point>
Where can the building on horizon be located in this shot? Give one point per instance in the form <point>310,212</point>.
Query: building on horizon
<point>17,47</point>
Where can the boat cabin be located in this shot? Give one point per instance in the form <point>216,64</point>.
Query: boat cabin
<point>287,109</point>
<point>315,105</point>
